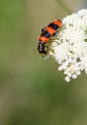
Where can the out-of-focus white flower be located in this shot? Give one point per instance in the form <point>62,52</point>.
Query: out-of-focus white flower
<point>69,46</point>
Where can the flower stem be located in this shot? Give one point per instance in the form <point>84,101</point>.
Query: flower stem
<point>62,5</point>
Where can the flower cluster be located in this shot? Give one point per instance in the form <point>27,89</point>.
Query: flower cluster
<point>69,46</point>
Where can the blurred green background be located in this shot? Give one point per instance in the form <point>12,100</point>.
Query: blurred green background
<point>32,91</point>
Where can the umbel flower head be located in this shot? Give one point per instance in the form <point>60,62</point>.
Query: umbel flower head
<point>69,45</point>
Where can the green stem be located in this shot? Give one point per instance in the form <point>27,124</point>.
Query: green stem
<point>62,5</point>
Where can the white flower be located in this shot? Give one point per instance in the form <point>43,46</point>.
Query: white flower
<point>69,46</point>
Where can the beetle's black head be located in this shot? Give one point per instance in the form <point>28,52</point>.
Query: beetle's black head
<point>41,48</point>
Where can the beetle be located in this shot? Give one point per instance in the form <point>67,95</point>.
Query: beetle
<point>46,34</point>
